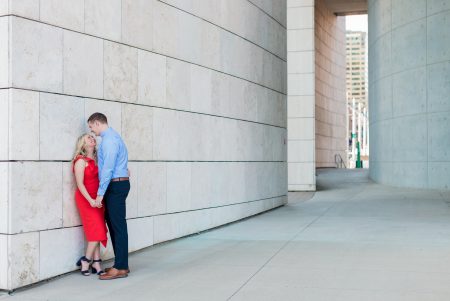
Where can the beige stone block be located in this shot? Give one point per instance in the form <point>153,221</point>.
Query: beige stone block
<point>103,18</point>
<point>111,109</point>
<point>177,135</point>
<point>36,55</point>
<point>178,84</point>
<point>301,173</point>
<point>61,123</point>
<point>210,45</point>
<point>272,108</point>
<point>120,72</point>
<point>23,259</point>
<point>4,262</point>
<point>152,79</point>
<point>301,62</point>
<point>4,124</point>
<point>4,52</point>
<point>220,94</point>
<point>59,250</point>
<point>137,131</point>
<point>300,17</point>
<point>4,7</point>
<point>165,29</point>
<point>83,65</point>
<point>4,185</point>
<point>71,217</point>
<point>24,125</point>
<point>301,106</point>
<point>179,186</point>
<point>35,196</point>
<point>301,151</point>
<point>201,89</point>
<point>300,39</point>
<point>301,84</point>
<point>25,8</point>
<point>64,13</point>
<point>132,199</point>
<point>171,226</point>
<point>140,232</point>
<point>152,188</point>
<point>301,128</point>
<point>137,23</point>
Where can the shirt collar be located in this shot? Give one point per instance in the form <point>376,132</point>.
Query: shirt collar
<point>102,134</point>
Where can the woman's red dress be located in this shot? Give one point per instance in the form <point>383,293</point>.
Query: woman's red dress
<point>93,218</point>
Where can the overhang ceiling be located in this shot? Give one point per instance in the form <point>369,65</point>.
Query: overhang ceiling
<point>347,7</point>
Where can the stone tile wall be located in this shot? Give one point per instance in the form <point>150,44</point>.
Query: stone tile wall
<point>301,96</point>
<point>409,76</point>
<point>197,91</point>
<point>331,104</point>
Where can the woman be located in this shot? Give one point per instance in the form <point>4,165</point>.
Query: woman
<point>92,215</point>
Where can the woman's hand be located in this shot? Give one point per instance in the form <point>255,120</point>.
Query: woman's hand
<point>92,202</point>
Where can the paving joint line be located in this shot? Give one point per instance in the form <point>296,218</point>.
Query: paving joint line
<point>290,240</point>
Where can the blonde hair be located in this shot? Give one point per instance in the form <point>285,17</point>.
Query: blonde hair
<point>80,148</point>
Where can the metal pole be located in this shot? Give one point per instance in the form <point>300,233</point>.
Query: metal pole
<point>353,132</point>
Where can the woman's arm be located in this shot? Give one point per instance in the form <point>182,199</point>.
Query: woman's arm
<point>80,165</point>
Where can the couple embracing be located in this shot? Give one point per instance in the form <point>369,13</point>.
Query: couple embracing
<point>102,179</point>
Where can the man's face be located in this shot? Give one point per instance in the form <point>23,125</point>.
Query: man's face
<point>94,127</point>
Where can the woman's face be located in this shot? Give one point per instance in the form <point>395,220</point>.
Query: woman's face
<point>90,141</point>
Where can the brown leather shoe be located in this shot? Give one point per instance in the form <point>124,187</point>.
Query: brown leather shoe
<point>113,273</point>
<point>107,269</point>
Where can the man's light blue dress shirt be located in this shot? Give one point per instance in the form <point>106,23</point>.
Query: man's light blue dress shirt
<point>112,159</point>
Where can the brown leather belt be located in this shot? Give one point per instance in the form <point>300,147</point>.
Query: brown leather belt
<point>119,179</point>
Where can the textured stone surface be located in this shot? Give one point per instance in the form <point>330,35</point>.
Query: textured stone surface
<point>409,104</point>
<point>103,18</point>
<point>23,258</point>
<point>61,123</point>
<point>120,72</point>
<point>4,52</point>
<point>4,184</point>
<point>140,233</point>
<point>137,23</point>
<point>24,125</point>
<point>152,78</point>
<point>59,250</point>
<point>36,55</point>
<point>152,188</point>
<point>4,124</point>
<point>35,196</point>
<point>83,65</point>
<point>137,131</point>
<point>64,13</point>
<point>3,260</point>
<point>71,217</point>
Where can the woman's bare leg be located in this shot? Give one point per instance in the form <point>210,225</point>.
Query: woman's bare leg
<point>90,249</point>
<point>97,265</point>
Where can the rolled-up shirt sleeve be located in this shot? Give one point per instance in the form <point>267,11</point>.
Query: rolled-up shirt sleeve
<point>110,149</point>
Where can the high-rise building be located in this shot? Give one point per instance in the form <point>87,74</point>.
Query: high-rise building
<point>356,51</point>
<point>357,66</point>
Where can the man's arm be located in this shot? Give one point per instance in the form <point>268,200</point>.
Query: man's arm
<point>110,150</point>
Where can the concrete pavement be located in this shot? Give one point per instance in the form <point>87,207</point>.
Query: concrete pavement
<point>352,240</point>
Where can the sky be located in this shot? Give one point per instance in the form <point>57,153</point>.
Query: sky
<point>356,23</point>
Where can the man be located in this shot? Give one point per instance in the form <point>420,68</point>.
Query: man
<point>113,190</point>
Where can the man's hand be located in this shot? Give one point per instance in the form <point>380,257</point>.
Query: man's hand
<point>98,201</point>
<point>92,202</point>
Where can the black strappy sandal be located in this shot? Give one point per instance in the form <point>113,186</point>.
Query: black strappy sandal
<point>94,270</point>
<point>85,259</point>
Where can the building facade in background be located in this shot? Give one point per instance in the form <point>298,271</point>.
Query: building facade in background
<point>357,96</point>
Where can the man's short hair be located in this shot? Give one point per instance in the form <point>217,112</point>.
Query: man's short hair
<point>98,117</point>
